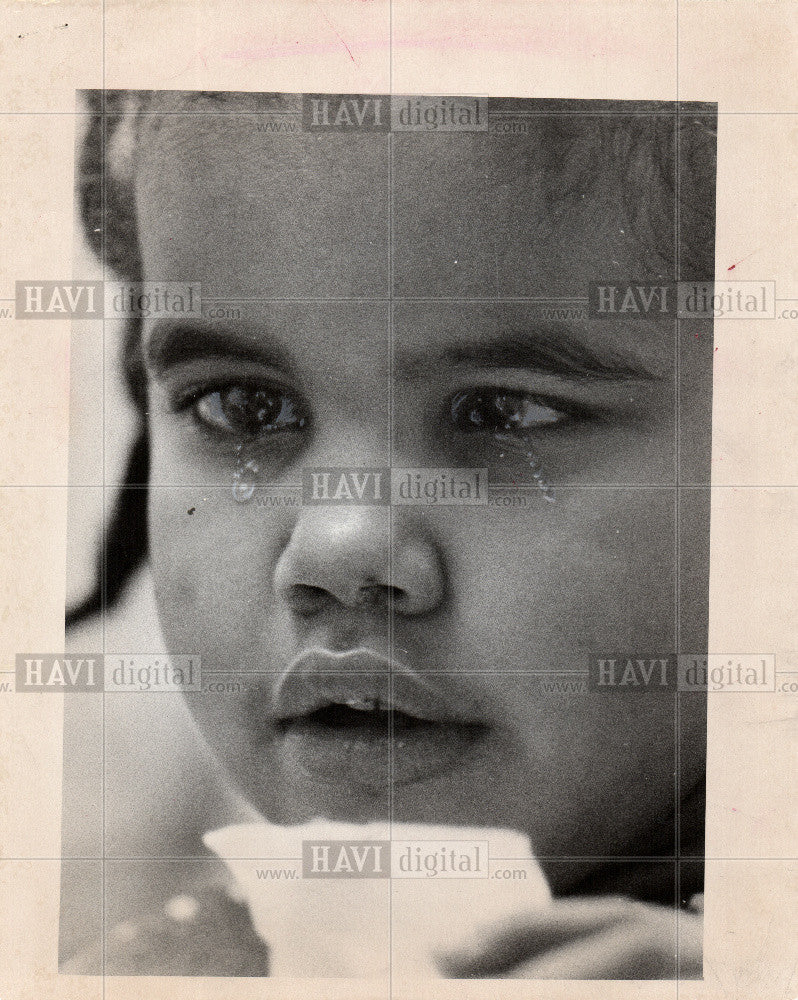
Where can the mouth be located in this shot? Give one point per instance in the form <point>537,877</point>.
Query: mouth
<point>364,720</point>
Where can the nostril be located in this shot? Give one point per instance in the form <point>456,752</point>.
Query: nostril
<point>376,594</point>
<point>307,600</point>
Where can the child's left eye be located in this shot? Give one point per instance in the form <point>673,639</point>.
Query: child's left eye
<point>496,411</point>
<point>249,412</point>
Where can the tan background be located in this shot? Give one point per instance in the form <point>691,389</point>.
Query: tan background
<point>738,54</point>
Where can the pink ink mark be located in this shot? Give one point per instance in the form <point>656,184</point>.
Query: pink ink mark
<point>336,32</point>
<point>477,37</point>
<point>748,255</point>
<point>743,259</point>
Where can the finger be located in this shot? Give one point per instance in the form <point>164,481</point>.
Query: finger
<point>641,952</point>
<point>502,945</point>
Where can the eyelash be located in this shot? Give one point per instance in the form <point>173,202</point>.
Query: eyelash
<point>487,410</point>
<point>511,411</point>
<point>272,393</point>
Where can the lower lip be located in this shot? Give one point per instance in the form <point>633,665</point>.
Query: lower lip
<point>378,754</point>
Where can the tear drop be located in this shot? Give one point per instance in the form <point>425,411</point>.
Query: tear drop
<point>245,477</point>
<point>519,444</point>
<point>243,491</point>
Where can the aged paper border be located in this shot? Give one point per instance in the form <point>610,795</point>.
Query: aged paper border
<point>736,53</point>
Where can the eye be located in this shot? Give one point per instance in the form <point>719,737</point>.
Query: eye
<point>497,410</point>
<point>246,412</point>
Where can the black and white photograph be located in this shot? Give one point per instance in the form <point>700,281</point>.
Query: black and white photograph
<point>398,500</point>
<point>415,495</point>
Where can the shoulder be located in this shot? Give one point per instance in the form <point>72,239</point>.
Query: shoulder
<point>206,933</point>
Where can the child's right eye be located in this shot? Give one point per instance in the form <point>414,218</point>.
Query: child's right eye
<point>248,412</point>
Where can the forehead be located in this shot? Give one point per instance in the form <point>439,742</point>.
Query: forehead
<point>463,215</point>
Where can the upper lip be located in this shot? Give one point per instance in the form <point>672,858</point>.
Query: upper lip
<point>360,678</point>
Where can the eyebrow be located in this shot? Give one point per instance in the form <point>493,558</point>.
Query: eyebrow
<point>551,350</point>
<point>174,343</point>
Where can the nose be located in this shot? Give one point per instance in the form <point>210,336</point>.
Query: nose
<point>361,557</point>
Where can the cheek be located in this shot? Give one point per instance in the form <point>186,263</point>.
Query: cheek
<point>213,571</point>
<point>179,558</point>
<point>543,589</point>
<point>551,584</point>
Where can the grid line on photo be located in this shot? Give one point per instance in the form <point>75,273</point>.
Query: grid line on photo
<point>530,114</point>
<point>104,560</point>
<point>391,611</point>
<point>704,487</point>
<point>676,531</point>
<point>608,858</point>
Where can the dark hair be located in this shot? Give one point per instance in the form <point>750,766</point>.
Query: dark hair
<point>107,211</point>
<point>657,146</point>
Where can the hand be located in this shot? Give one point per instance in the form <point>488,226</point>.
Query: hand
<point>607,937</point>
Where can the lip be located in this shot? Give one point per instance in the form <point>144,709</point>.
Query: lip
<point>320,677</point>
<point>364,719</point>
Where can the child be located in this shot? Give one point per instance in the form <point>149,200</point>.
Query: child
<point>377,299</point>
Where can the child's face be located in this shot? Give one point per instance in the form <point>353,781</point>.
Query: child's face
<point>325,368</point>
